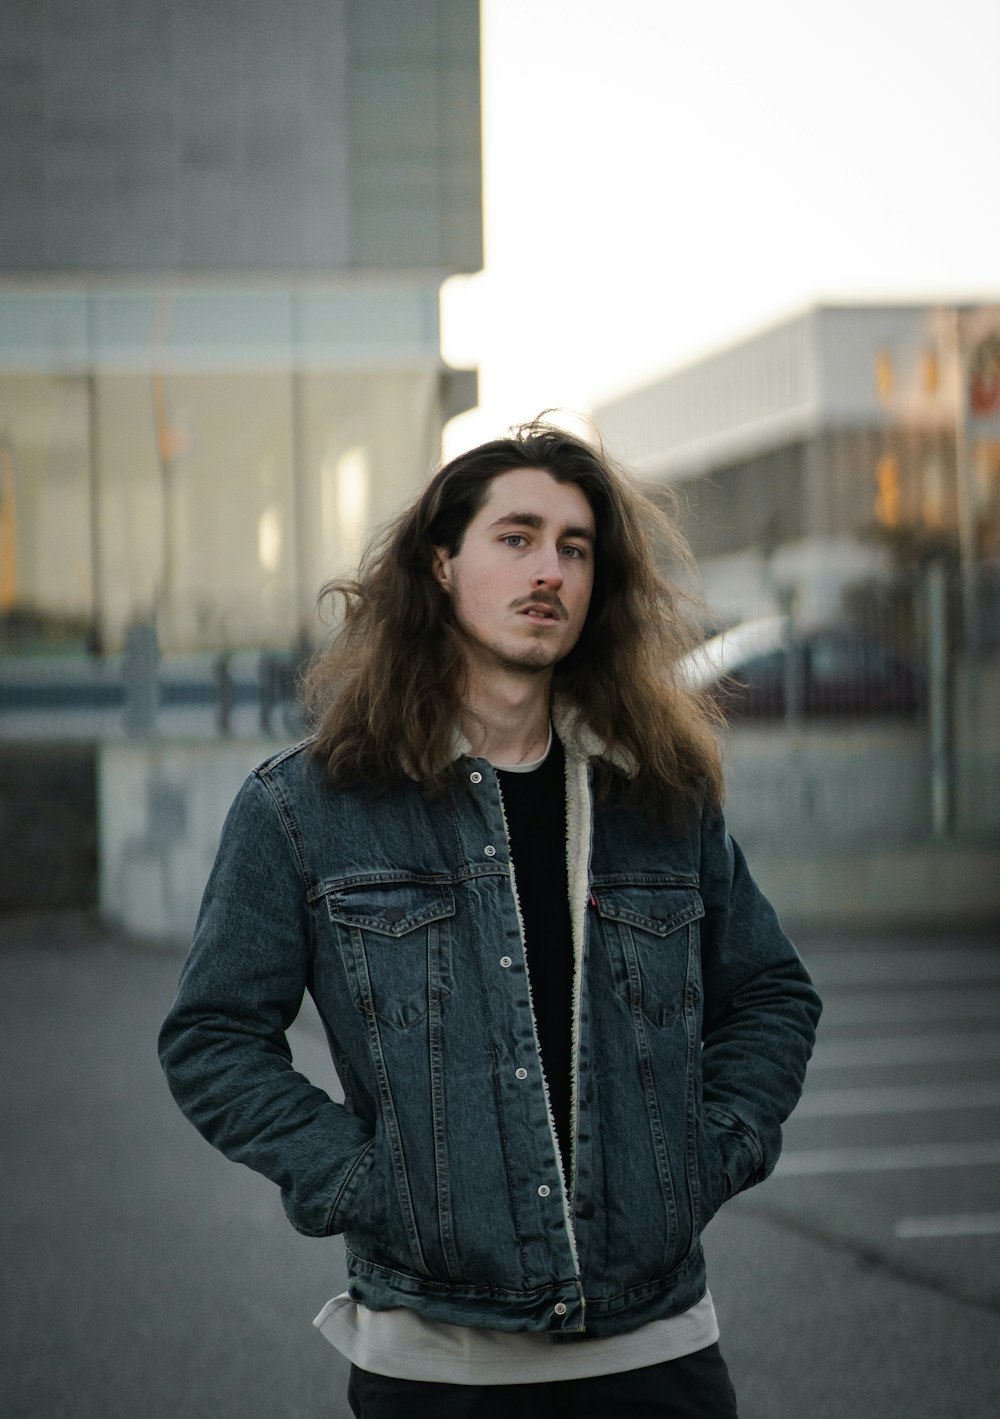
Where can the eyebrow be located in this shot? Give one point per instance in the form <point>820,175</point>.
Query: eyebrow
<point>532,519</point>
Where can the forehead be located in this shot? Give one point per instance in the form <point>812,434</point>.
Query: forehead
<point>536,492</point>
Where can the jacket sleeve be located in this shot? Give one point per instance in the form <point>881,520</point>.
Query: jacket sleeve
<point>760,1012</point>
<point>223,1045</point>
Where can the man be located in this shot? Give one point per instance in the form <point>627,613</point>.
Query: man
<point>567,1025</point>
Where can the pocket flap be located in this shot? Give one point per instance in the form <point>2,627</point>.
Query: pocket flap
<point>390,908</point>
<point>659,910</point>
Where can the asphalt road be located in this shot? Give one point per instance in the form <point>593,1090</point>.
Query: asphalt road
<point>143,1276</point>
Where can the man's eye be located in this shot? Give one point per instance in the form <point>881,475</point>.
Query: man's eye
<point>513,539</point>
<point>571,551</point>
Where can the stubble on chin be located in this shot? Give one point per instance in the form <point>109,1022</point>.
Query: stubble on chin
<point>528,664</point>
<point>528,660</point>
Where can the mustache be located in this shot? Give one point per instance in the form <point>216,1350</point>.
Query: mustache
<point>542,598</point>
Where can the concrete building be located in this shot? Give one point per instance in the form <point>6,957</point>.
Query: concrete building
<point>824,452</point>
<point>845,464</point>
<point>222,240</point>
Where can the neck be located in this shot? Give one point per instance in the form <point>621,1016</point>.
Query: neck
<point>507,720</point>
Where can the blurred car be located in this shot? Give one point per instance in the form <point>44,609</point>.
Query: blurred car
<point>763,669</point>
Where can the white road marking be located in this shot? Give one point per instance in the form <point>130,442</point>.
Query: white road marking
<point>906,1049</point>
<point>960,1224</point>
<point>815,1162</point>
<point>923,1005</point>
<point>898,1099</point>
<point>904,967</point>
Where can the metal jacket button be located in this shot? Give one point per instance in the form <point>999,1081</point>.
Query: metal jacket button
<point>544,1190</point>
<point>520,1074</point>
<point>559,1308</point>
<point>489,850</point>
<point>506,961</point>
<point>476,776</point>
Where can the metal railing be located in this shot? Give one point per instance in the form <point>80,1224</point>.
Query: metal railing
<point>138,694</point>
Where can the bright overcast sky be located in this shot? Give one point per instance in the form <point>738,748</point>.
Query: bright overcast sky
<point>661,178</point>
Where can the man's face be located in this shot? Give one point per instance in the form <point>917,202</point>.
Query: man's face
<point>520,584</point>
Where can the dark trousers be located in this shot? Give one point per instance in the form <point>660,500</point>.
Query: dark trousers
<point>696,1386</point>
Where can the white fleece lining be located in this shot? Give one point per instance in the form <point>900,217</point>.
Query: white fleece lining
<point>578,830</point>
<point>564,1180</point>
<point>580,744</point>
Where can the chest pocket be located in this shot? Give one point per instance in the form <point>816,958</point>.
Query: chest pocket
<point>653,943</point>
<point>395,940</point>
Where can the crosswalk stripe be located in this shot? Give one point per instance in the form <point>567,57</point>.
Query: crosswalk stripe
<point>898,1099</point>
<point>904,967</point>
<point>888,1007</point>
<point>958,1224</point>
<point>906,1049</point>
<point>814,1162</point>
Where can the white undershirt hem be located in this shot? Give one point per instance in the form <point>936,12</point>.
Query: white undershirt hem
<point>404,1345</point>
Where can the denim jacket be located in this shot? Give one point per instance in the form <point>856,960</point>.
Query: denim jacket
<point>693,1020</point>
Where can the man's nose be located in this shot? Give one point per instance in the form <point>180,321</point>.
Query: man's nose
<point>548,571</point>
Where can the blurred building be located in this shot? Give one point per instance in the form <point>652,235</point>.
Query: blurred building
<point>223,233</point>
<point>829,453</point>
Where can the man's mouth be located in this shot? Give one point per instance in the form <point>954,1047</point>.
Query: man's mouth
<point>544,612</point>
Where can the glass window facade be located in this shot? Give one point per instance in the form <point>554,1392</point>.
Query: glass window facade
<point>208,472</point>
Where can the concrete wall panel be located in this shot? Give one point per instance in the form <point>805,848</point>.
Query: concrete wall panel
<point>162,808</point>
<point>164,135</point>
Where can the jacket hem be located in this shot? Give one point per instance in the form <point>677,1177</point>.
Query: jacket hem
<point>499,1308</point>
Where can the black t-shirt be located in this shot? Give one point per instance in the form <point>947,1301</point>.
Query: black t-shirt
<point>535,808</point>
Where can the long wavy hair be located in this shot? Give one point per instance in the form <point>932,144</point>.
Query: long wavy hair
<point>388,691</point>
